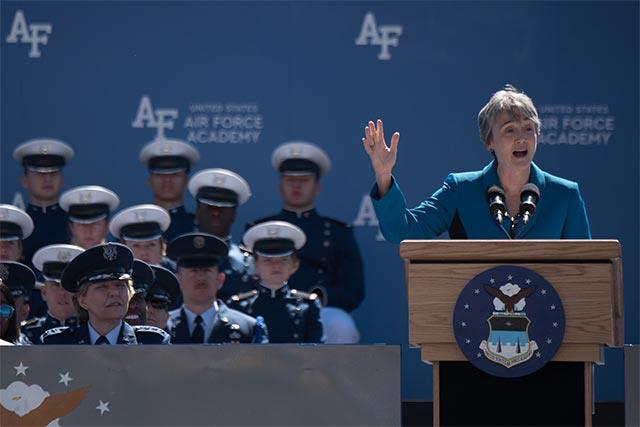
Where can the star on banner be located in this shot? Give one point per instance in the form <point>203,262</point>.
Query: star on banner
<point>549,341</point>
<point>477,292</point>
<point>21,369</point>
<point>466,306</point>
<point>103,407</point>
<point>555,324</point>
<point>478,355</point>
<point>543,291</point>
<point>528,281</point>
<point>509,277</point>
<point>463,324</point>
<point>553,307</point>
<point>492,281</point>
<point>65,378</point>
<point>468,341</point>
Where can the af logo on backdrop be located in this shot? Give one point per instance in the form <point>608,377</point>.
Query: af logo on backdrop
<point>35,33</point>
<point>508,321</point>
<point>379,35</point>
<point>159,118</point>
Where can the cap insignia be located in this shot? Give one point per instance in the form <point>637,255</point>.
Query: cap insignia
<point>166,149</point>
<point>198,242</point>
<point>219,179</point>
<point>64,256</point>
<point>110,252</point>
<point>44,149</point>
<point>140,216</point>
<point>273,231</point>
<point>85,197</point>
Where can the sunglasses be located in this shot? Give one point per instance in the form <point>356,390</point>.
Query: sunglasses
<point>6,311</point>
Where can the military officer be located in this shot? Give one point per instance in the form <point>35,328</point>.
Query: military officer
<point>292,315</point>
<point>88,208</point>
<point>100,279</point>
<point>218,193</point>
<point>50,261</point>
<point>43,160</point>
<point>141,228</point>
<point>143,277</point>
<point>330,261</point>
<point>15,226</point>
<point>161,297</point>
<point>169,162</point>
<point>20,280</point>
<point>202,318</point>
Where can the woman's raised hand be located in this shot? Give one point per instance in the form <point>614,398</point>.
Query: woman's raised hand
<point>383,157</point>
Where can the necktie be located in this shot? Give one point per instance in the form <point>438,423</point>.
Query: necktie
<point>102,340</point>
<point>197,337</point>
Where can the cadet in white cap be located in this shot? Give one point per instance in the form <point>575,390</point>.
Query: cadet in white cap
<point>43,160</point>
<point>293,316</point>
<point>169,162</point>
<point>88,208</point>
<point>331,265</point>
<point>15,226</point>
<point>218,193</point>
<point>141,228</point>
<point>50,261</point>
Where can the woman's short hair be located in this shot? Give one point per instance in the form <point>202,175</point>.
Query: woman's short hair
<point>13,329</point>
<point>511,100</point>
<point>83,314</point>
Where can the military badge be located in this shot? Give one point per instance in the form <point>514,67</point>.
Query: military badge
<point>109,252</point>
<point>64,255</point>
<point>198,242</point>
<point>509,321</point>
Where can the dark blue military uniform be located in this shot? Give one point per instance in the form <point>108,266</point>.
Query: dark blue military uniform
<point>239,273</point>
<point>34,328</point>
<point>330,262</point>
<point>79,334</point>
<point>292,316</point>
<point>230,326</point>
<point>50,227</point>
<point>181,222</point>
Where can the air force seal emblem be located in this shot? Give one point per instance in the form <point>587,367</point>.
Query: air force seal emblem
<point>509,321</point>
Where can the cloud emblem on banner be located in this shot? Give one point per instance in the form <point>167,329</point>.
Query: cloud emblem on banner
<point>24,405</point>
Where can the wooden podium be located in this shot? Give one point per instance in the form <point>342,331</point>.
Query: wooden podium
<point>587,275</point>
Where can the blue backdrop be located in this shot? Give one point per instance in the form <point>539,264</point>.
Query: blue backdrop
<point>237,79</point>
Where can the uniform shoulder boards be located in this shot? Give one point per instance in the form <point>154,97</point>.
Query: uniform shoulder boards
<point>303,295</point>
<point>33,322</point>
<point>53,331</point>
<point>243,296</point>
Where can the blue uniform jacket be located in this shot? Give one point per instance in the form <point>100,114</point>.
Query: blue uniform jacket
<point>460,207</point>
<point>330,261</point>
<point>230,326</point>
<point>181,223</point>
<point>291,316</point>
<point>139,334</point>
<point>34,328</point>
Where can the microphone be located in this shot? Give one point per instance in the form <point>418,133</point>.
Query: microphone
<point>529,196</point>
<point>497,207</point>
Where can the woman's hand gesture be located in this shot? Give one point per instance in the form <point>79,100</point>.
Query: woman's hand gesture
<point>383,157</point>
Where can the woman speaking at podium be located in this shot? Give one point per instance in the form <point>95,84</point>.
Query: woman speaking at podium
<point>510,198</point>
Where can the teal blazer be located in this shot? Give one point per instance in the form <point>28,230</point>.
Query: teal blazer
<point>460,207</point>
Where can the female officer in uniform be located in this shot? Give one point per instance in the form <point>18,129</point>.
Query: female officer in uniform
<point>100,279</point>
